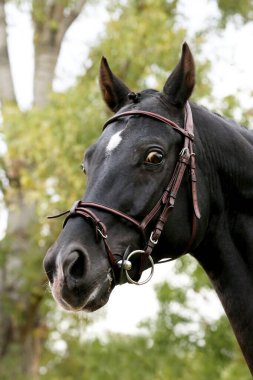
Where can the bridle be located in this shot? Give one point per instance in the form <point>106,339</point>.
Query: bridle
<point>164,206</point>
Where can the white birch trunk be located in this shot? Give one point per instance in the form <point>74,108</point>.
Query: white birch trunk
<point>45,62</point>
<point>48,40</point>
<point>6,84</point>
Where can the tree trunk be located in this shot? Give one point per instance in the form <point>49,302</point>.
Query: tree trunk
<point>49,33</point>
<point>6,88</point>
<point>7,94</point>
<point>24,328</point>
<point>45,62</point>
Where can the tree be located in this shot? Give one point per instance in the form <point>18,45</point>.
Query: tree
<point>7,88</point>
<point>51,21</point>
<point>229,9</point>
<point>23,330</point>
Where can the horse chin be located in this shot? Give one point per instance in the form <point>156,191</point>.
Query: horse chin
<point>89,306</point>
<point>82,299</point>
<point>95,304</point>
<point>98,298</point>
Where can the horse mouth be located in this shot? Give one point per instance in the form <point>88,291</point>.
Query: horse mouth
<point>80,298</point>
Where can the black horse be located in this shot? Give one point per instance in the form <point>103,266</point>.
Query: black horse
<point>147,200</point>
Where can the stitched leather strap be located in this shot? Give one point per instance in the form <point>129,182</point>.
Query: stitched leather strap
<point>152,115</point>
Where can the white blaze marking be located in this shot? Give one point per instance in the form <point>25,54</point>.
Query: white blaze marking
<point>115,140</point>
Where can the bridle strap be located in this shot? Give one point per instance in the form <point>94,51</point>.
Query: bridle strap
<point>80,208</point>
<point>190,127</point>
<point>186,157</point>
<point>111,211</point>
<point>152,115</point>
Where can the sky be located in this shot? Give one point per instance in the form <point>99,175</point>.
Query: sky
<point>232,58</point>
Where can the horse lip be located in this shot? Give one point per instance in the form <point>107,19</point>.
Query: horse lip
<point>95,304</point>
<point>84,299</point>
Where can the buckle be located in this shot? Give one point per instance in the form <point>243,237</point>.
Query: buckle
<point>152,240</point>
<point>184,152</point>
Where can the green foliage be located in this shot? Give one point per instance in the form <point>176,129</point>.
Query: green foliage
<point>150,32</point>
<point>45,14</point>
<point>169,346</point>
<point>243,8</point>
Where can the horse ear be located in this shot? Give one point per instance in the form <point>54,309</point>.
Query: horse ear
<point>114,91</point>
<point>180,84</point>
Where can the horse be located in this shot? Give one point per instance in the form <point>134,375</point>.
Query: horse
<point>166,177</point>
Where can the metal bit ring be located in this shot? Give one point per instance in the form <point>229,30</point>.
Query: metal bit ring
<point>150,275</point>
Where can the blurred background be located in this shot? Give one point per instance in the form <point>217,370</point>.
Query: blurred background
<point>51,110</point>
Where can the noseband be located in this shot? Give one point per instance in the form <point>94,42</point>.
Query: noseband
<point>163,207</point>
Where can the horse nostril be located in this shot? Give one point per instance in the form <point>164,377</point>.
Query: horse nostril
<point>74,265</point>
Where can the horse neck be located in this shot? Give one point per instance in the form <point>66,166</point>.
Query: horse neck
<point>226,251</point>
<point>227,151</point>
<point>232,281</point>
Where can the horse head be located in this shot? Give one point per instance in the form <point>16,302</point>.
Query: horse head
<point>132,173</point>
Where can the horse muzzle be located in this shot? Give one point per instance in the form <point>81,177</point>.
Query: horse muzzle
<point>72,284</point>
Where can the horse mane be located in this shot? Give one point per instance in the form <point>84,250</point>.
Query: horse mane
<point>244,130</point>
<point>227,150</point>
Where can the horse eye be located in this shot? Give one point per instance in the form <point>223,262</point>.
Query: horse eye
<point>154,157</point>
<point>83,168</point>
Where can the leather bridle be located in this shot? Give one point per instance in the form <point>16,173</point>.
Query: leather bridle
<point>164,206</point>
